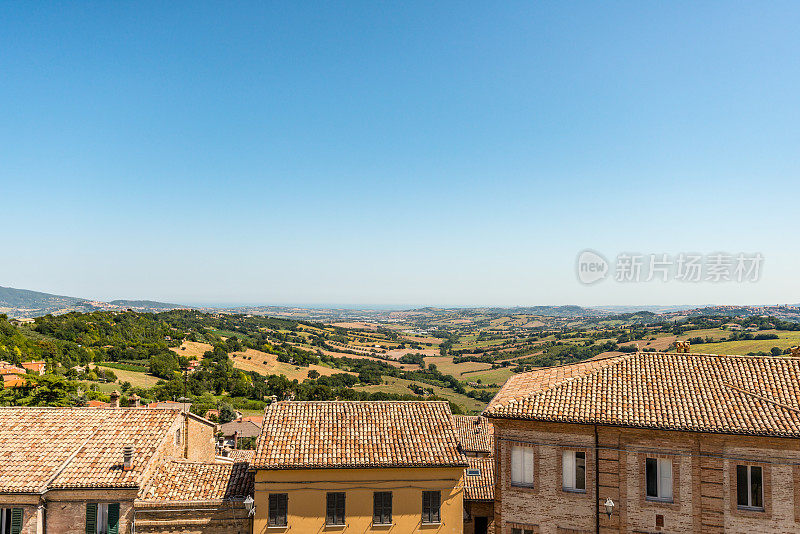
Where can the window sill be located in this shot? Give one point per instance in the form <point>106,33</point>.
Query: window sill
<point>380,525</point>
<point>756,509</point>
<point>659,500</point>
<point>431,524</point>
<point>571,490</point>
<point>521,485</point>
<point>335,525</point>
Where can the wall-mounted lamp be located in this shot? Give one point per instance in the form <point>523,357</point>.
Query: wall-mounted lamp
<point>250,505</point>
<point>609,507</point>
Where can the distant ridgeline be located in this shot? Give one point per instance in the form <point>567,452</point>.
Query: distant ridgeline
<point>23,303</point>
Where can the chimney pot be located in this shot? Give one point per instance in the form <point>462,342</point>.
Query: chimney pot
<point>127,457</point>
<point>114,399</point>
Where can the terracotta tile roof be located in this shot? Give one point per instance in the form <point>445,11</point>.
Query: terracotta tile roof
<point>695,392</point>
<point>183,481</point>
<point>301,435</point>
<point>479,487</point>
<point>475,433</point>
<point>76,447</point>
<point>246,429</point>
<point>242,455</point>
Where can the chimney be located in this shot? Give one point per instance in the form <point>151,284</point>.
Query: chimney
<point>136,399</point>
<point>114,399</point>
<point>235,439</point>
<point>127,457</point>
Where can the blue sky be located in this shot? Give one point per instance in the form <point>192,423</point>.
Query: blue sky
<point>408,153</point>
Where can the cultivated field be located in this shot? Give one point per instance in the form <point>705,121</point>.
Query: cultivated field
<point>268,364</point>
<point>192,349</point>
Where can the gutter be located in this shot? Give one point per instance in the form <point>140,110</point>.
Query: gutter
<point>596,481</point>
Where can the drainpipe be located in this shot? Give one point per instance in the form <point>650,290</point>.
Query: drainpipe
<point>596,481</point>
<point>41,523</point>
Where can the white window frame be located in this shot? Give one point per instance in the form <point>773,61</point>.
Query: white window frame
<point>664,476</point>
<point>749,505</point>
<point>569,475</point>
<point>522,469</point>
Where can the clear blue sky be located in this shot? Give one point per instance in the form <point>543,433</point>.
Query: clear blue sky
<point>442,153</point>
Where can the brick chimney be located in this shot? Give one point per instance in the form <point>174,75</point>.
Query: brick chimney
<point>114,399</point>
<point>127,457</point>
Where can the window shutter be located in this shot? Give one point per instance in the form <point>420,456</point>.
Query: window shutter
<point>91,518</point>
<point>16,520</point>
<point>113,518</point>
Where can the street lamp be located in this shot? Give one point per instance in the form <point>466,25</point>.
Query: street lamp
<point>609,507</point>
<point>250,505</point>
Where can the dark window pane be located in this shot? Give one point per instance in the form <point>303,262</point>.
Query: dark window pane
<point>741,485</point>
<point>755,487</point>
<point>651,474</point>
<point>277,509</point>
<point>580,470</point>
<point>335,509</point>
<point>382,507</point>
<point>431,501</point>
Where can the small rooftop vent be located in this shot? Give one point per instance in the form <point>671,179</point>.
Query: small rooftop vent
<point>473,472</point>
<point>127,457</point>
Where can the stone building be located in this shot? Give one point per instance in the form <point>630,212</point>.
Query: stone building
<point>86,470</point>
<point>358,467</point>
<point>650,443</point>
<point>476,439</point>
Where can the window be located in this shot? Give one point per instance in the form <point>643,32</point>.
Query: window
<point>516,530</point>
<point>102,518</point>
<point>10,520</point>
<point>382,508</point>
<point>521,466</point>
<point>574,471</point>
<point>431,503</point>
<point>749,487</point>
<point>178,437</point>
<point>278,504</point>
<point>658,472</point>
<point>335,513</point>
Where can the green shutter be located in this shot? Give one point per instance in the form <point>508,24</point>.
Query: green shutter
<point>113,518</point>
<point>16,520</point>
<point>91,518</point>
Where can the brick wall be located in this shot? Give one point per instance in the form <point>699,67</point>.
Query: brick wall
<point>194,518</point>
<point>546,505</point>
<point>30,510</point>
<point>66,509</point>
<point>475,509</point>
<point>199,440</point>
<point>704,481</point>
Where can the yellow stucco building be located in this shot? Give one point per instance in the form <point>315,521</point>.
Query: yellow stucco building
<point>358,467</point>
